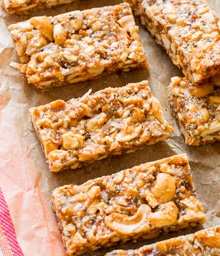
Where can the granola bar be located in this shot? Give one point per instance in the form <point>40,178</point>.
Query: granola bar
<point>78,46</point>
<point>111,121</point>
<point>205,242</point>
<point>196,109</point>
<point>141,202</point>
<point>25,7</point>
<point>189,32</point>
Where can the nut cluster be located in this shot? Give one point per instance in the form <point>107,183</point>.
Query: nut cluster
<point>197,109</point>
<point>188,30</point>
<point>109,122</point>
<point>25,7</point>
<point>140,202</point>
<point>78,46</point>
<point>202,242</point>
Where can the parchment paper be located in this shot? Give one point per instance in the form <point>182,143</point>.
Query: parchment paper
<point>24,177</point>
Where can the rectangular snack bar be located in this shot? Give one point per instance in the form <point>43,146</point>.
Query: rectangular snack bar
<point>77,46</point>
<point>196,109</point>
<point>25,7</point>
<point>188,30</point>
<point>136,203</point>
<point>205,242</point>
<point>111,121</point>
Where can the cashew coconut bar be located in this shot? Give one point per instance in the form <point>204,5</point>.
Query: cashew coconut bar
<point>78,45</point>
<point>26,7</point>
<point>111,121</point>
<point>137,203</point>
<point>189,32</point>
<point>205,242</point>
<point>196,109</point>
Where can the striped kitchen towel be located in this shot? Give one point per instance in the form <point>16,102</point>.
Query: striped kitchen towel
<point>8,242</point>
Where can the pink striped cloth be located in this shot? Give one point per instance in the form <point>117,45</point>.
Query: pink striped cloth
<point>8,242</point>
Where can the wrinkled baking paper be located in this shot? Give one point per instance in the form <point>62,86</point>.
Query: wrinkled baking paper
<point>24,176</point>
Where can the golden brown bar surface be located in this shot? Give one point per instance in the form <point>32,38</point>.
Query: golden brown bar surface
<point>77,46</point>
<point>197,110</point>
<point>205,242</point>
<point>25,7</point>
<point>188,30</point>
<point>136,203</point>
<point>111,121</point>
